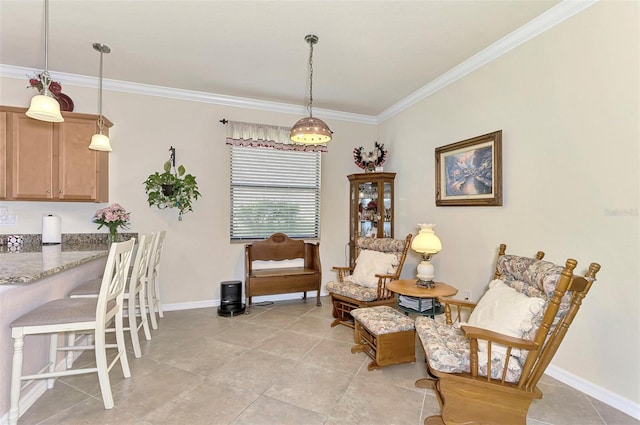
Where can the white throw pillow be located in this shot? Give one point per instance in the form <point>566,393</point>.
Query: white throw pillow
<point>504,310</point>
<point>369,263</point>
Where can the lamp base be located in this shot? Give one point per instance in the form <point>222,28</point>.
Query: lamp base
<point>425,283</point>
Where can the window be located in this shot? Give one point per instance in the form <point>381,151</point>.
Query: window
<point>274,191</point>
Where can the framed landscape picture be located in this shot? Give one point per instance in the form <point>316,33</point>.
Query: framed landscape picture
<point>469,173</point>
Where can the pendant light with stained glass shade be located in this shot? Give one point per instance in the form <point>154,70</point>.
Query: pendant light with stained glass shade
<point>310,130</point>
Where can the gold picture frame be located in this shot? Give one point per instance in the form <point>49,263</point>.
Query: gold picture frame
<point>469,172</point>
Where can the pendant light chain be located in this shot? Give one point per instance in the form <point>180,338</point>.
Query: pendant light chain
<point>100,119</point>
<point>311,43</point>
<point>45,78</point>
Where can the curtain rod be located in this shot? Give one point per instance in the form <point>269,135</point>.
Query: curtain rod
<point>224,121</point>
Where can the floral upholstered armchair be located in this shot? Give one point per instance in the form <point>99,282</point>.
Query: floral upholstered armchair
<point>485,371</point>
<point>378,262</point>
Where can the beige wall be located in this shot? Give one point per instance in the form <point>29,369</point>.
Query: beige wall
<point>567,102</point>
<point>198,253</point>
<point>568,105</point>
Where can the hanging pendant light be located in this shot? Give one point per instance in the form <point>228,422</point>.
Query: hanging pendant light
<point>100,142</point>
<point>44,106</point>
<point>310,130</point>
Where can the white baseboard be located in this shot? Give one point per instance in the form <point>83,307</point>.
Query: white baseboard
<point>607,397</point>
<point>256,300</point>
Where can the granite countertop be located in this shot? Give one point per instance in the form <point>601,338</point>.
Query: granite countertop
<point>30,260</point>
<point>36,262</point>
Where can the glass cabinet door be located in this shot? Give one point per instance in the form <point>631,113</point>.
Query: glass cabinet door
<point>371,207</point>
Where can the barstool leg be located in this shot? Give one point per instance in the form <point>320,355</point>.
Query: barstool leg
<point>103,372</point>
<point>16,375</point>
<point>53,357</point>
<point>71,341</point>
<point>122,351</point>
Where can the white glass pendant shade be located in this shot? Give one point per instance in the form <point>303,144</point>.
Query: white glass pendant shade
<point>310,131</point>
<point>100,142</point>
<point>44,108</point>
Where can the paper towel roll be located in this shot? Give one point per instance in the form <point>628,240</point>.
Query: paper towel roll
<point>51,229</point>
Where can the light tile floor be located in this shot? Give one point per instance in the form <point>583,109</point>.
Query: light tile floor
<point>281,364</point>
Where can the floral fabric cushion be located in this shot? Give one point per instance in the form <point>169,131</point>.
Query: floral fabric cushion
<point>382,320</point>
<point>504,310</point>
<point>353,290</point>
<point>369,264</point>
<point>447,350</point>
<point>535,278</point>
<point>387,245</point>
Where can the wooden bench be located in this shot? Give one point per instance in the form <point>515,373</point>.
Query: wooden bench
<point>282,280</point>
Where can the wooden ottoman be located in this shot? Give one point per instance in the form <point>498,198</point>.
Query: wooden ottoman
<point>385,335</point>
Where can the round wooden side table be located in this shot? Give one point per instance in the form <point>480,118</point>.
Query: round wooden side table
<point>409,288</point>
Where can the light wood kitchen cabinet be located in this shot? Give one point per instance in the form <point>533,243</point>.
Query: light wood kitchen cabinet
<point>371,207</point>
<point>52,161</point>
<point>3,155</point>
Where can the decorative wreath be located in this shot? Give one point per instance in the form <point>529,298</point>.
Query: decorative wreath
<point>370,160</point>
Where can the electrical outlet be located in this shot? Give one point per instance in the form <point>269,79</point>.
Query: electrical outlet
<point>467,294</point>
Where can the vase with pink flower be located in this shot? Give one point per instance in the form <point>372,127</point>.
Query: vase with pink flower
<point>114,216</point>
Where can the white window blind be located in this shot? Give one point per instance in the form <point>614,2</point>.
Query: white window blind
<point>274,191</point>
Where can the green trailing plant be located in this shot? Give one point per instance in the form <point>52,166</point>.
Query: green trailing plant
<point>172,189</point>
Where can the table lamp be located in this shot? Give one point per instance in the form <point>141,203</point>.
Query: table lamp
<point>426,243</point>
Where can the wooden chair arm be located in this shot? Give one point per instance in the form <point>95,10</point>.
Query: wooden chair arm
<point>342,272</point>
<point>338,268</point>
<point>498,338</point>
<point>460,305</point>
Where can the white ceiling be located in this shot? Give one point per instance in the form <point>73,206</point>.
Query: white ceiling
<point>370,55</point>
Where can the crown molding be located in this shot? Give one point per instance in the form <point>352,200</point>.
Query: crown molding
<point>19,72</point>
<point>533,28</point>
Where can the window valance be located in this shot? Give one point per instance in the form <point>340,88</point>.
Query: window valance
<point>265,136</point>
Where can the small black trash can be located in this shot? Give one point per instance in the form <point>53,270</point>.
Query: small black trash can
<point>231,298</point>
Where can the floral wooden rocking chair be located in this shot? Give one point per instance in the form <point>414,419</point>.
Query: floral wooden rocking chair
<point>378,262</point>
<point>518,324</point>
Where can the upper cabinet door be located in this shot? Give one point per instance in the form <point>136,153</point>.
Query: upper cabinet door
<point>3,155</point>
<point>31,150</point>
<point>52,161</point>
<point>78,165</point>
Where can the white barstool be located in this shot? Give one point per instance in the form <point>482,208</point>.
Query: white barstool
<point>153,279</point>
<point>74,315</point>
<point>135,295</point>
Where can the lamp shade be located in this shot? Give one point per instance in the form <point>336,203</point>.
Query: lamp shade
<point>44,108</point>
<point>310,131</point>
<point>426,241</point>
<point>100,142</point>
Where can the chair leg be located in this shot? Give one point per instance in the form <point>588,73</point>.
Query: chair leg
<point>103,370</point>
<point>71,341</point>
<point>53,357</point>
<point>152,309</point>
<point>156,296</point>
<point>133,329</point>
<point>122,351</point>
<point>142,297</point>
<point>16,375</point>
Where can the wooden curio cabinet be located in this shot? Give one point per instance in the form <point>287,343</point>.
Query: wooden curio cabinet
<point>371,207</point>
<point>52,161</point>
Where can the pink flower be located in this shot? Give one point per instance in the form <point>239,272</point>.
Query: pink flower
<point>113,216</point>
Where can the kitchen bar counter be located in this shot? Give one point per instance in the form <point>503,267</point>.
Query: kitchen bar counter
<point>25,267</point>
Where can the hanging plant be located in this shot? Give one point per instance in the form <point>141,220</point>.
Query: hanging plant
<point>172,189</point>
